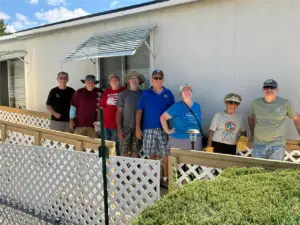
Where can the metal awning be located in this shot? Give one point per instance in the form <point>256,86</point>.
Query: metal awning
<point>117,43</point>
<point>11,54</point>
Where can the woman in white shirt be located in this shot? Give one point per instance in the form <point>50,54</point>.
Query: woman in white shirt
<point>227,128</point>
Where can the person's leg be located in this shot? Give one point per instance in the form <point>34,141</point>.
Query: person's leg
<point>125,145</point>
<point>259,151</point>
<point>55,125</point>
<point>66,127</point>
<point>149,143</point>
<point>276,153</point>
<point>162,138</point>
<point>114,137</point>
<point>91,132</point>
<point>107,134</point>
<point>218,147</point>
<point>80,131</point>
<point>136,145</point>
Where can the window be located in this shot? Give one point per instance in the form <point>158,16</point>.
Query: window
<point>139,62</point>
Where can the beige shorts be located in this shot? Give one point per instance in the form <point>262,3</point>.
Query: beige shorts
<point>86,131</point>
<point>59,126</point>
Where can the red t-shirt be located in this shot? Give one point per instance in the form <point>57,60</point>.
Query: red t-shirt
<point>109,104</point>
<point>86,103</point>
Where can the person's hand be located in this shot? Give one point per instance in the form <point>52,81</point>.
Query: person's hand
<point>72,124</point>
<point>171,131</point>
<point>139,133</point>
<point>121,135</point>
<point>242,143</point>
<point>209,149</point>
<point>57,115</point>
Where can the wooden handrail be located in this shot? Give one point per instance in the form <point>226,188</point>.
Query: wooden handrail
<point>220,161</point>
<point>25,112</point>
<point>78,141</point>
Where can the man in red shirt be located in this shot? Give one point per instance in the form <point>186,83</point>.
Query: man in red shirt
<point>109,104</point>
<point>84,105</point>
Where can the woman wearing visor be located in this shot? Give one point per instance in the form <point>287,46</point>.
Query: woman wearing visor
<point>227,131</point>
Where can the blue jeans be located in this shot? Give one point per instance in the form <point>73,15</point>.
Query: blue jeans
<point>268,152</point>
<point>112,135</point>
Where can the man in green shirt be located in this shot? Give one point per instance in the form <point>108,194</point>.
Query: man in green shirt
<point>267,122</point>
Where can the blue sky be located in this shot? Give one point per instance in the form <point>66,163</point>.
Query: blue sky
<point>24,14</point>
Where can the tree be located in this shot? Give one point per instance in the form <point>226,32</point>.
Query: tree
<point>2,28</point>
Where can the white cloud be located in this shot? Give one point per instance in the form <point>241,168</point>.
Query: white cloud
<point>33,1</point>
<point>56,2</point>
<point>21,23</point>
<point>59,14</point>
<point>4,16</point>
<point>114,4</point>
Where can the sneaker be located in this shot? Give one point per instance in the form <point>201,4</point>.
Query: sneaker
<point>164,183</point>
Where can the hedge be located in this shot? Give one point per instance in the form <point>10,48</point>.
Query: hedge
<point>238,196</point>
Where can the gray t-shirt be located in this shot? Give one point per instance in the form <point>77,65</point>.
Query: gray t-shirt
<point>270,120</point>
<point>128,100</point>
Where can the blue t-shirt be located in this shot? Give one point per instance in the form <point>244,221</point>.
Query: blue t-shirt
<point>183,119</point>
<point>153,106</point>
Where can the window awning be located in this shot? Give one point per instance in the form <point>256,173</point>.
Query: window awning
<point>117,43</point>
<point>11,54</point>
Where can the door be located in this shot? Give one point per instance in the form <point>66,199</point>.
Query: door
<point>4,99</point>
<point>17,91</point>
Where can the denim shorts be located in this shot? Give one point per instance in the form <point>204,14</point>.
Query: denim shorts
<point>268,152</point>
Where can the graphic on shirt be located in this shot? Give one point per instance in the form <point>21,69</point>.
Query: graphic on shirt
<point>165,96</point>
<point>57,95</point>
<point>228,134</point>
<point>112,99</point>
<point>191,118</point>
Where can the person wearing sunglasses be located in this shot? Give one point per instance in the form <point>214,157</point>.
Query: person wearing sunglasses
<point>227,128</point>
<point>185,115</point>
<point>152,104</point>
<point>266,120</point>
<point>59,102</point>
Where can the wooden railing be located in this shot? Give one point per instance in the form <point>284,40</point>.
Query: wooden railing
<point>26,117</point>
<point>13,133</point>
<point>188,165</point>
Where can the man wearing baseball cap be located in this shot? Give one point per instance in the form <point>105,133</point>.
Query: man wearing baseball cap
<point>267,122</point>
<point>152,104</point>
<point>108,102</point>
<point>84,105</point>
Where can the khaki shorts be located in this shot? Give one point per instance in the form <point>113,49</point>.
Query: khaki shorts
<point>86,131</point>
<point>59,126</point>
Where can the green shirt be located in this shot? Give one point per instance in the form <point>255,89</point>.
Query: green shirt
<point>270,120</point>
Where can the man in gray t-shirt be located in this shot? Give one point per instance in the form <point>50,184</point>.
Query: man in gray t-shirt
<point>127,103</point>
<point>267,122</point>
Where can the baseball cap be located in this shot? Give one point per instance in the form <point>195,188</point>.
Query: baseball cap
<point>270,83</point>
<point>233,97</point>
<point>160,72</point>
<point>185,85</point>
<point>112,76</point>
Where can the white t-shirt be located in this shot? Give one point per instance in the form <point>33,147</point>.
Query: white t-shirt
<point>227,127</point>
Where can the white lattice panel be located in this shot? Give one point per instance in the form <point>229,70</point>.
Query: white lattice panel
<point>24,119</point>
<point>68,184</point>
<point>55,144</point>
<point>19,138</point>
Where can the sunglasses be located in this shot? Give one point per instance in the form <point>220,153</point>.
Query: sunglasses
<point>269,87</point>
<point>232,103</point>
<point>157,78</point>
<point>63,78</point>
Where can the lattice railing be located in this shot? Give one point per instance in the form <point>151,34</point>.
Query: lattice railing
<point>22,118</point>
<point>189,172</point>
<point>67,185</point>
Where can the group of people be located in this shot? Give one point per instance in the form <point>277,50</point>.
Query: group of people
<point>150,119</point>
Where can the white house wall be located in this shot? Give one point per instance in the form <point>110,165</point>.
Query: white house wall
<point>218,46</point>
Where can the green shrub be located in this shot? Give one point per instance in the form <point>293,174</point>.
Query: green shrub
<point>237,197</point>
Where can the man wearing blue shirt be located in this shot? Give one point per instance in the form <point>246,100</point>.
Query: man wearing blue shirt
<point>152,104</point>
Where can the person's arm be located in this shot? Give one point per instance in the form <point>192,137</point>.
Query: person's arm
<point>52,111</point>
<point>119,123</point>
<point>103,100</point>
<point>163,120</point>
<point>210,136</point>
<point>138,118</point>
<point>296,120</point>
